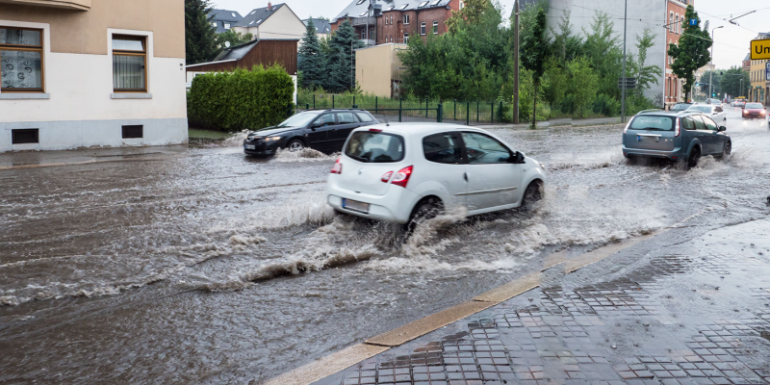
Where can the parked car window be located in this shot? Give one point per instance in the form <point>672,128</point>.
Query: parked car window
<point>719,109</point>
<point>710,125</point>
<point>375,147</point>
<point>688,124</point>
<point>443,148</point>
<point>299,120</point>
<point>703,109</point>
<point>698,122</point>
<point>346,118</point>
<point>482,149</point>
<point>364,117</point>
<point>325,120</point>
<point>658,123</point>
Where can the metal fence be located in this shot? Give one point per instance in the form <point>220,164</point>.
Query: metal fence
<point>411,110</point>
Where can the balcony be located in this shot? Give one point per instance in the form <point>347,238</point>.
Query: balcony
<point>80,5</point>
<point>368,42</point>
<point>359,21</point>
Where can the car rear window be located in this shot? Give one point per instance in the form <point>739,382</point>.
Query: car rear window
<point>705,109</point>
<point>754,106</point>
<point>375,147</point>
<point>659,123</point>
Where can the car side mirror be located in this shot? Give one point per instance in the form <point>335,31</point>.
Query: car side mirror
<point>316,125</point>
<point>516,158</point>
<point>721,129</point>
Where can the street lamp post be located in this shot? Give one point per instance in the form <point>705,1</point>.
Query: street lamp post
<point>711,73</point>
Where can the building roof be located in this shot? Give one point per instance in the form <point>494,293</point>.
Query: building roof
<point>258,16</point>
<point>357,8</point>
<point>222,16</point>
<point>322,26</point>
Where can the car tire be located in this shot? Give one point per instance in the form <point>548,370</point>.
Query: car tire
<point>532,195</point>
<point>424,210</point>
<point>694,157</point>
<point>295,145</point>
<point>727,150</point>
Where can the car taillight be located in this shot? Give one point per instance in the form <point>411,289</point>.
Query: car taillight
<point>402,176</point>
<point>337,169</point>
<point>386,178</point>
<point>678,128</point>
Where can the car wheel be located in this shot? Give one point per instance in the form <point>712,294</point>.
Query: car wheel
<point>296,145</point>
<point>532,195</point>
<point>424,210</point>
<point>728,149</point>
<point>694,157</point>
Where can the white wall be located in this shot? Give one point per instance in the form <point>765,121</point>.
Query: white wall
<point>641,14</point>
<point>283,24</point>
<point>79,107</point>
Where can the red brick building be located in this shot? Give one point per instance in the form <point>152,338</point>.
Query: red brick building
<point>673,91</point>
<point>397,21</point>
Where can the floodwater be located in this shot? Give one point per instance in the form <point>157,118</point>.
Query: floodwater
<point>216,268</point>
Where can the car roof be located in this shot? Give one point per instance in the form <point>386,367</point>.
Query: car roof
<point>687,112</point>
<point>419,129</point>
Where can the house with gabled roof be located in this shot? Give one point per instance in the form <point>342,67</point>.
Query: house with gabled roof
<point>322,27</point>
<point>224,19</point>
<point>272,22</point>
<point>396,21</point>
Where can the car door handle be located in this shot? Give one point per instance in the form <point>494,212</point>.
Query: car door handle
<point>465,176</point>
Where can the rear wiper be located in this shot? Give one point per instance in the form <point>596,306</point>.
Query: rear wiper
<point>651,128</point>
<point>358,158</point>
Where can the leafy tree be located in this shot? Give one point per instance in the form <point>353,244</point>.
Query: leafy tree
<point>605,53</point>
<point>583,83</point>
<point>646,75</point>
<point>200,35</point>
<point>730,83</point>
<point>341,60</point>
<point>692,52</point>
<point>555,81</point>
<point>470,14</point>
<point>311,60</point>
<point>566,46</point>
<point>715,78</point>
<point>533,53</point>
<point>234,38</point>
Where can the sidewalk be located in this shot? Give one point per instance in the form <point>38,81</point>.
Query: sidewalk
<point>34,159</point>
<point>556,123</point>
<point>696,312</point>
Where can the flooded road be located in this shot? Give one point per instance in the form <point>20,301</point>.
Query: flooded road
<point>214,268</point>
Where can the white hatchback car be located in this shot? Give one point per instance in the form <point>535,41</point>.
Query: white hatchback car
<point>406,172</point>
<point>713,111</point>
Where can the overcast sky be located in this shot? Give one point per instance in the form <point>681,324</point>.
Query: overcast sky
<point>731,42</point>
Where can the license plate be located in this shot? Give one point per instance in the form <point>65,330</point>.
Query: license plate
<point>251,147</point>
<point>355,205</point>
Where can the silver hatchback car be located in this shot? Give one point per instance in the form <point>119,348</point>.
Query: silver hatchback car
<point>677,136</point>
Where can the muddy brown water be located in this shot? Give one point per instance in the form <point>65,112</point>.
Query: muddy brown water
<point>211,267</point>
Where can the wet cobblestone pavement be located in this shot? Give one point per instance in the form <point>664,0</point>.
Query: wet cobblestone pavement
<point>696,313</point>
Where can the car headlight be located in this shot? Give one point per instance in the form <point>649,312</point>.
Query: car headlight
<point>272,138</point>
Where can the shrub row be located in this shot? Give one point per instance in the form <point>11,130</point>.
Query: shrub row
<point>242,99</point>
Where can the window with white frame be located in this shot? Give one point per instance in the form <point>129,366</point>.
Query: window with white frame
<point>406,19</point>
<point>406,38</point>
<point>422,28</point>
<point>214,24</point>
<point>21,59</point>
<point>227,26</point>
<point>435,27</point>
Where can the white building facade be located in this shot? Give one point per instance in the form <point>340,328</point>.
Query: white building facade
<point>100,75</point>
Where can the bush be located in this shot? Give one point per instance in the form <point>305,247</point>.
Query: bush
<point>233,101</point>
<point>606,105</point>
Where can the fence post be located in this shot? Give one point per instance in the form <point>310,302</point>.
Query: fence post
<point>332,101</point>
<point>468,114</point>
<point>478,103</point>
<point>307,107</point>
<point>314,100</point>
<point>440,113</point>
<point>500,112</point>
<point>426,108</point>
<point>455,107</point>
<point>376,99</point>
<point>354,101</point>
<point>400,108</point>
<point>493,112</point>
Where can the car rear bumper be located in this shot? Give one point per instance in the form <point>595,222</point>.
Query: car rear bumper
<point>395,206</point>
<point>674,154</point>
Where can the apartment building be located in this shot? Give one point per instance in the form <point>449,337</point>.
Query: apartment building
<point>396,21</point>
<point>89,73</point>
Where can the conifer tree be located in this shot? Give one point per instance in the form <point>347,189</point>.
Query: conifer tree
<point>200,36</point>
<point>311,60</point>
<point>341,61</point>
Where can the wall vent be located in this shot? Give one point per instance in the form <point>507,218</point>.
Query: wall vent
<point>25,136</point>
<point>133,132</point>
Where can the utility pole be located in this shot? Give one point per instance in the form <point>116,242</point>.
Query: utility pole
<point>711,73</point>
<point>516,63</point>
<point>623,98</point>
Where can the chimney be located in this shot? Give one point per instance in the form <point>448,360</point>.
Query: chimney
<point>269,6</point>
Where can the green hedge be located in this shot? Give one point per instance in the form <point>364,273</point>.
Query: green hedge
<point>234,101</point>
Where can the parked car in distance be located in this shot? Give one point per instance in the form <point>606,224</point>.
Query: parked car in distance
<point>406,173</point>
<point>754,111</point>
<point>715,102</point>
<point>681,106</point>
<point>714,111</point>
<point>740,103</point>
<point>677,136</point>
<point>325,131</point>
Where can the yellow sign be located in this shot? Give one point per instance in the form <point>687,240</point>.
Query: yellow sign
<point>760,49</point>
